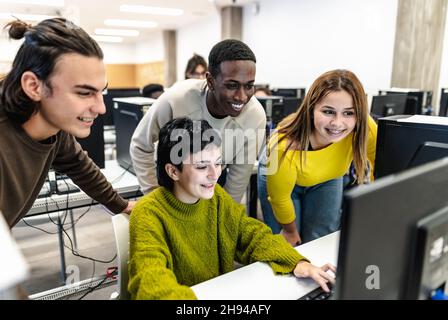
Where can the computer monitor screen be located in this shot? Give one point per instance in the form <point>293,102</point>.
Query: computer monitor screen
<point>388,105</point>
<point>128,112</point>
<point>403,143</point>
<point>108,101</point>
<point>379,233</point>
<point>94,143</point>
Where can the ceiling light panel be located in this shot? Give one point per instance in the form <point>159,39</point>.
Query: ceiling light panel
<point>107,38</point>
<point>49,3</point>
<point>151,10</point>
<point>117,32</point>
<point>130,23</point>
<point>24,17</point>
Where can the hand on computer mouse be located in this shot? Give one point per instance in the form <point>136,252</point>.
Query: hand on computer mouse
<point>304,269</point>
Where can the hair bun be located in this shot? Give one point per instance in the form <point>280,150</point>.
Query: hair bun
<point>17,29</point>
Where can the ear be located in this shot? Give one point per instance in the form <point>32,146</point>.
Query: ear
<point>32,86</point>
<point>172,171</point>
<point>210,81</point>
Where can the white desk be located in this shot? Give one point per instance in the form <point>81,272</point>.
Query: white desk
<point>124,182</point>
<point>257,281</point>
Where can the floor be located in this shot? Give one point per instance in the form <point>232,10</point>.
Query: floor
<point>94,238</point>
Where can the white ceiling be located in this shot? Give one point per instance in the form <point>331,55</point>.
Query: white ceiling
<point>90,14</point>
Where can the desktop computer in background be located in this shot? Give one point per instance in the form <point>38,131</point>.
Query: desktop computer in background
<point>394,236</point>
<point>94,143</point>
<point>387,105</point>
<point>111,94</point>
<point>289,92</point>
<point>443,108</point>
<point>418,101</point>
<point>277,108</point>
<point>127,114</point>
<point>406,141</point>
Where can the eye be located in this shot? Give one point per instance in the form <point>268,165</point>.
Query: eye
<point>349,113</point>
<point>232,86</point>
<point>84,93</point>
<point>328,111</point>
<point>249,87</point>
<point>201,167</point>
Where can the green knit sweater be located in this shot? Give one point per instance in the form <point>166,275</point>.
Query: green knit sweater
<point>174,245</point>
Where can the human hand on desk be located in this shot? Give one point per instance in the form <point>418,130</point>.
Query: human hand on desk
<point>304,269</point>
<point>130,206</point>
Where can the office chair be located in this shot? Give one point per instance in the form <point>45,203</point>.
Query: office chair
<point>120,224</point>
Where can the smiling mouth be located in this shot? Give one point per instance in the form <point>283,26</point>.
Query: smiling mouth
<point>333,132</point>
<point>208,185</point>
<point>237,106</point>
<point>86,119</point>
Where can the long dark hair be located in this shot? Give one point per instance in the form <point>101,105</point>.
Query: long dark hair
<point>43,46</point>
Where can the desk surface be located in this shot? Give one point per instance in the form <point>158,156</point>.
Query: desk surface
<point>124,182</point>
<point>257,281</point>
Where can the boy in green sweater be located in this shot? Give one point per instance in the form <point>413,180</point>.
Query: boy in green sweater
<point>190,230</point>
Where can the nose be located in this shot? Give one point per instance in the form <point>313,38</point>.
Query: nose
<point>241,95</point>
<point>336,120</point>
<point>99,106</point>
<point>214,172</point>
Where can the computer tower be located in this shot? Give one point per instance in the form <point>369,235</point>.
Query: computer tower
<point>127,114</point>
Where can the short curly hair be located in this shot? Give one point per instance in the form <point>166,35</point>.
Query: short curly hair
<point>228,50</point>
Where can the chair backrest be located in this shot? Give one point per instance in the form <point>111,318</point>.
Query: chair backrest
<point>120,224</point>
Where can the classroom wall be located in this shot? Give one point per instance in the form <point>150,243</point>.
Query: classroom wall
<point>197,38</point>
<point>295,41</point>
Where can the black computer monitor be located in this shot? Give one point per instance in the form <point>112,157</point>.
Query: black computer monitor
<point>388,105</point>
<point>378,250</point>
<point>128,112</point>
<point>108,117</point>
<point>283,108</point>
<point>289,92</point>
<point>94,143</point>
<point>443,108</point>
<point>402,145</point>
<point>418,101</point>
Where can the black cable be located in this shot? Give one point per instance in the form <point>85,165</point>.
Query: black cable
<point>94,288</point>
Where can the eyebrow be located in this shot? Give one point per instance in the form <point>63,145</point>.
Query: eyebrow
<point>208,161</point>
<point>89,87</point>
<point>330,107</point>
<point>230,80</point>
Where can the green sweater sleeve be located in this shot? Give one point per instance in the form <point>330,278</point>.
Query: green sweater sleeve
<point>151,274</point>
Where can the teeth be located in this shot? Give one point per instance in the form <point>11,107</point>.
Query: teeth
<point>334,131</point>
<point>86,119</point>
<point>208,185</point>
<point>237,106</point>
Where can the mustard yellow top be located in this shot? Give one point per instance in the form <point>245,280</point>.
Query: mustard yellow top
<point>321,165</point>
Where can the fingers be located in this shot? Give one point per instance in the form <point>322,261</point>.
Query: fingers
<point>329,266</point>
<point>322,283</point>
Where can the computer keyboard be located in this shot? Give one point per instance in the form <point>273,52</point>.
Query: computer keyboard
<point>318,294</point>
